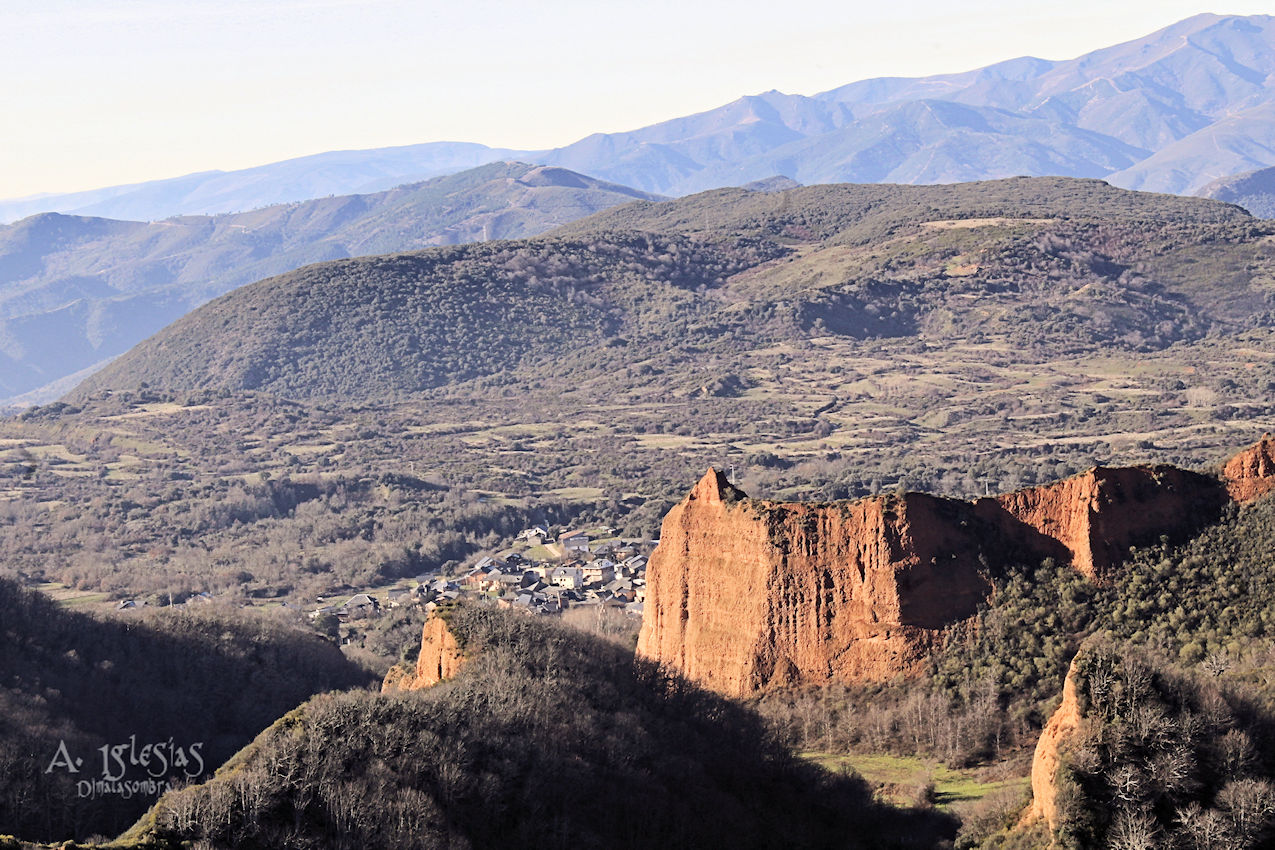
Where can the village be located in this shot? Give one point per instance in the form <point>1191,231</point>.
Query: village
<point>539,574</point>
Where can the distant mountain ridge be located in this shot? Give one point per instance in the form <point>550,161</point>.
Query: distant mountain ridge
<point>75,290</point>
<point>1169,112</point>
<point>300,179</point>
<point>1252,190</point>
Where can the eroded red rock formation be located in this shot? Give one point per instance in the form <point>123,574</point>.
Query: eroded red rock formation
<point>744,593</point>
<point>1251,473</point>
<point>1057,733</point>
<point>440,658</point>
<point>1093,518</point>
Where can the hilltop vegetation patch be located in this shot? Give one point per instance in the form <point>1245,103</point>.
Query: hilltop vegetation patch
<point>545,738</point>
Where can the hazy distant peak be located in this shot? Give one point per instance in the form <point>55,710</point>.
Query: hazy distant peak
<point>1169,112</point>
<point>1251,190</point>
<point>778,183</point>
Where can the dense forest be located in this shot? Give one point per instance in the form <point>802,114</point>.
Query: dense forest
<point>1163,758</point>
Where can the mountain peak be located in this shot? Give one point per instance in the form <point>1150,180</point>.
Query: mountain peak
<point>1166,112</point>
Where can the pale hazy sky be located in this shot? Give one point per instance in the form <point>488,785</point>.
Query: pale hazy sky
<point>102,92</point>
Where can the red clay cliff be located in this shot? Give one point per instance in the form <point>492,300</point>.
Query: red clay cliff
<point>745,593</point>
<point>440,658</point>
<point>1251,473</point>
<point>1092,519</point>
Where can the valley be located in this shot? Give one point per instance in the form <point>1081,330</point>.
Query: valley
<point>887,467</point>
<point>388,424</point>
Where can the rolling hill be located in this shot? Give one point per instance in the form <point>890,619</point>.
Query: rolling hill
<point>75,291</point>
<point>1053,264</point>
<point>300,179</point>
<point>1252,190</point>
<point>545,738</point>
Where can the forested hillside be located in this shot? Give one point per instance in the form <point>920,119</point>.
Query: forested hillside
<point>1053,266</point>
<point>75,291</point>
<point>202,680</point>
<point>545,738</point>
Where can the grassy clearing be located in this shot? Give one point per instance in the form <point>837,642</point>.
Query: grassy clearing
<point>578,494</point>
<point>56,452</point>
<point>971,223</point>
<point>665,441</point>
<point>897,778</point>
<point>70,597</point>
<point>310,449</point>
<point>538,553</point>
<point>156,409</point>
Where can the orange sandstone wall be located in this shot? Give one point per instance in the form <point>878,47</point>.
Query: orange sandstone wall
<point>1251,473</point>
<point>744,593</point>
<point>1093,518</point>
<point>440,659</point>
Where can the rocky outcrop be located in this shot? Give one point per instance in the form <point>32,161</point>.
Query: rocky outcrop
<point>1061,727</point>
<point>440,658</point>
<point>744,593</point>
<point>1093,518</point>
<point>1251,473</point>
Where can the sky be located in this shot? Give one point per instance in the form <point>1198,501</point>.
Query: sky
<point>106,92</point>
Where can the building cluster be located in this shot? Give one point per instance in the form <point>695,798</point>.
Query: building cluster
<point>579,571</point>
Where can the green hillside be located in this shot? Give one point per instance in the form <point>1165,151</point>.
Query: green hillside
<point>75,291</point>
<point>1049,266</point>
<point>853,212</point>
<point>378,327</point>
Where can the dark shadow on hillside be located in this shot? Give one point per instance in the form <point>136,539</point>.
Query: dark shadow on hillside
<point>546,738</point>
<point>175,678</point>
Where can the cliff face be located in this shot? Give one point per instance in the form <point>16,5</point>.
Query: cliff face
<point>743,593</point>
<point>1093,518</point>
<point>1062,726</point>
<point>440,658</point>
<point>1251,473</point>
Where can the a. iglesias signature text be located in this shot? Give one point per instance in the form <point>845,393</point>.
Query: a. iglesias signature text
<point>163,762</point>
